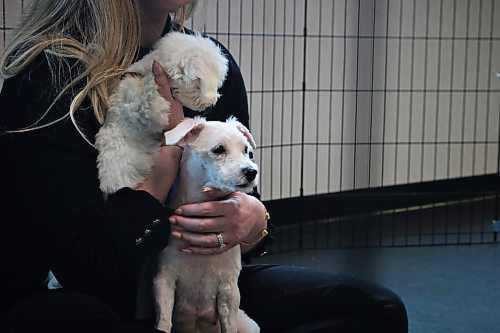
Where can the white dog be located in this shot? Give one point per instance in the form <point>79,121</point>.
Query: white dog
<point>194,287</point>
<point>128,144</point>
<point>129,140</point>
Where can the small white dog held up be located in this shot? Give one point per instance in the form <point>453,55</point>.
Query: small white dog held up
<point>192,287</point>
<point>129,140</point>
<point>195,65</point>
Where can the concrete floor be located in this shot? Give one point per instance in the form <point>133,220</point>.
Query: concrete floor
<point>452,288</point>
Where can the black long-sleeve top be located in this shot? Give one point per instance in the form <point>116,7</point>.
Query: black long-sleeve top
<point>53,214</point>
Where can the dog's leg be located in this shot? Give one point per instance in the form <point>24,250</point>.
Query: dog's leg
<point>164,294</point>
<point>228,302</point>
<point>246,324</point>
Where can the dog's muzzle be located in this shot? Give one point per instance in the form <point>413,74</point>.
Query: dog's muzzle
<point>249,174</point>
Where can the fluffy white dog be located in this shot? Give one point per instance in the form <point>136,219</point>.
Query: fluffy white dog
<point>129,140</point>
<point>128,144</point>
<point>194,287</point>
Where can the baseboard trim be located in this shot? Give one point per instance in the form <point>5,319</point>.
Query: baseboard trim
<point>331,205</point>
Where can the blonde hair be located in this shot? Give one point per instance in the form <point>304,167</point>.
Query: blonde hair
<point>103,35</point>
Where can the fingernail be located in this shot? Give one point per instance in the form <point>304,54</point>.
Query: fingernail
<point>207,189</point>
<point>172,220</point>
<point>186,251</point>
<point>178,211</point>
<point>176,234</point>
<point>157,69</point>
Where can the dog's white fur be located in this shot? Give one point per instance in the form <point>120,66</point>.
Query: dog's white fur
<point>194,287</point>
<point>129,140</point>
<point>194,64</point>
<point>128,144</point>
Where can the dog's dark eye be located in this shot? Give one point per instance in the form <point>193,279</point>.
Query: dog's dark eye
<point>249,152</point>
<point>219,150</point>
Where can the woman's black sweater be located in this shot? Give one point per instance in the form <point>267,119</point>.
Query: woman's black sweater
<point>53,214</point>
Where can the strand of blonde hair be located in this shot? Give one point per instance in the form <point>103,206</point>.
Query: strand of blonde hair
<point>105,54</point>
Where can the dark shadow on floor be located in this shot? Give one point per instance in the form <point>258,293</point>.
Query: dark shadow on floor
<point>452,288</point>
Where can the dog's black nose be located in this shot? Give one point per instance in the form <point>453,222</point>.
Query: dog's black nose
<point>249,173</point>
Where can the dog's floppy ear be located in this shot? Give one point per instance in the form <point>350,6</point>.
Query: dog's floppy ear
<point>184,133</point>
<point>233,121</point>
<point>186,69</point>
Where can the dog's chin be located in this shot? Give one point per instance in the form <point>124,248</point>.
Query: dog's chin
<point>246,187</point>
<point>191,98</point>
<point>199,107</point>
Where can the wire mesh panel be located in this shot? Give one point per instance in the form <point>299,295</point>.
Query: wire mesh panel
<point>366,93</point>
<point>359,104</point>
<point>8,20</point>
<point>350,95</point>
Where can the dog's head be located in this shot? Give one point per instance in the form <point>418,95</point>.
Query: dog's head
<point>196,67</point>
<point>222,150</point>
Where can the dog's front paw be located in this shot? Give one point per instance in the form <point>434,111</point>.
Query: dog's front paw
<point>246,324</point>
<point>164,326</point>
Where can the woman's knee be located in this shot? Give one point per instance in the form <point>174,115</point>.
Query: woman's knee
<point>392,312</point>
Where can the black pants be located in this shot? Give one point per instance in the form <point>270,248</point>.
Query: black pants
<point>278,298</point>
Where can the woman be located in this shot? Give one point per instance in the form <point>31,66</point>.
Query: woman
<point>60,70</point>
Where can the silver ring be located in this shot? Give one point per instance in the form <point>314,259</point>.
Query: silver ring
<point>220,240</point>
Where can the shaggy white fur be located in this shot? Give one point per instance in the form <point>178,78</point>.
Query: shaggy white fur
<point>129,140</point>
<point>195,287</point>
<point>128,144</point>
<point>195,65</point>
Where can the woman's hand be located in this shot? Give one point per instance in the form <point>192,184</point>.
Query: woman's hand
<point>237,217</point>
<point>176,112</point>
<point>163,174</point>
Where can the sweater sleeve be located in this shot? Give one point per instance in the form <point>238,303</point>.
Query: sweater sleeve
<point>91,244</point>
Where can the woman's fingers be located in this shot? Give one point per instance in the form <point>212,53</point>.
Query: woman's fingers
<point>202,244</point>
<point>203,250</point>
<point>161,80</point>
<point>209,208</point>
<point>208,240</point>
<point>216,194</point>
<point>195,224</point>
<point>200,234</point>
<point>233,219</point>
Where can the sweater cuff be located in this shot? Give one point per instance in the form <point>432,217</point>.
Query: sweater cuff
<point>139,221</point>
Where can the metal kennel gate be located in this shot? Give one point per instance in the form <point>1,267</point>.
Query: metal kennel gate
<point>377,120</point>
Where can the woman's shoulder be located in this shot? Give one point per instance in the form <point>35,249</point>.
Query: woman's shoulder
<point>44,76</point>
<point>26,97</point>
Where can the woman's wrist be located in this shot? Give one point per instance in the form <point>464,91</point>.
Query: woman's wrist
<point>163,174</point>
<point>260,228</point>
